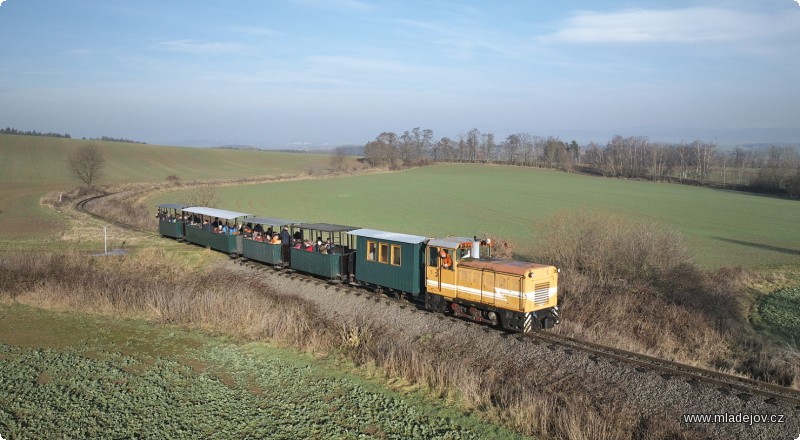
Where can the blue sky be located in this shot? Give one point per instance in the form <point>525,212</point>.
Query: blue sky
<point>317,72</point>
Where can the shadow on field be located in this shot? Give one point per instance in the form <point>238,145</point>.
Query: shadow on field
<point>761,246</point>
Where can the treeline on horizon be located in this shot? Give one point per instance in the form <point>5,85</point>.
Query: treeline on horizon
<point>773,169</point>
<point>14,131</point>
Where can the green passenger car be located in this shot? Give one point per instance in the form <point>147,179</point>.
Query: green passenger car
<point>390,260</point>
<point>201,230</point>
<point>333,250</point>
<point>258,248</point>
<point>170,220</point>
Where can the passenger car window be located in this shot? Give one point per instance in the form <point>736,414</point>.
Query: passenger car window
<point>383,252</point>
<point>371,251</point>
<point>395,255</point>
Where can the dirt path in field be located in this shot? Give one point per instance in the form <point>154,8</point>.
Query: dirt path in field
<point>552,369</point>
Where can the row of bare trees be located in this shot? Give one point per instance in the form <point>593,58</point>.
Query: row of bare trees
<point>418,145</point>
<point>774,169</point>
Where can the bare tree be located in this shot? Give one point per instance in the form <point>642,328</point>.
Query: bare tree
<point>704,153</point>
<point>203,195</point>
<point>338,159</point>
<point>86,164</point>
<point>473,141</point>
<point>383,151</point>
<point>488,147</point>
<point>422,143</point>
<point>683,153</point>
<point>594,156</point>
<point>511,147</point>
<point>445,150</point>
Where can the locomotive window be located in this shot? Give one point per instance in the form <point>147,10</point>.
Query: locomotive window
<point>433,257</point>
<point>371,251</point>
<point>383,252</point>
<point>395,255</point>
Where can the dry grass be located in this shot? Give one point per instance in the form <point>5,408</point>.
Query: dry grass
<point>634,286</point>
<point>221,301</point>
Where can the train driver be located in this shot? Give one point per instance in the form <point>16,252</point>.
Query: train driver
<point>444,258</point>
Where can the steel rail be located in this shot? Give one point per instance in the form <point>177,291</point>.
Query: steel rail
<point>743,387</point>
<point>81,206</point>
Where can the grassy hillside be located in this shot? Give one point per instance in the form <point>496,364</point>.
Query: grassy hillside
<point>724,228</point>
<point>30,166</point>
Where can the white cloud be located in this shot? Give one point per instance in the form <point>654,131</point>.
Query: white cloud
<point>689,25</point>
<point>189,46</point>
<point>1,2</point>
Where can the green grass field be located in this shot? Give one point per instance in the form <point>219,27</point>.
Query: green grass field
<point>31,166</point>
<point>68,375</point>
<point>724,228</point>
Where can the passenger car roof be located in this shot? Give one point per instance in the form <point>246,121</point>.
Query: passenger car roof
<point>390,236</point>
<point>272,221</point>
<point>173,206</point>
<point>327,227</point>
<point>213,212</point>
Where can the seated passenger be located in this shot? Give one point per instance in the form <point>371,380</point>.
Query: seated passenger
<point>276,239</point>
<point>308,246</point>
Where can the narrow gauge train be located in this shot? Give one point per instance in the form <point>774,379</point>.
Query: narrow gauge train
<point>454,275</point>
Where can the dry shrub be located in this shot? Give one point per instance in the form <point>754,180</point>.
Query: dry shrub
<point>58,199</point>
<point>613,250</point>
<point>502,247</point>
<point>174,180</point>
<point>126,208</point>
<point>633,285</point>
<point>201,300</point>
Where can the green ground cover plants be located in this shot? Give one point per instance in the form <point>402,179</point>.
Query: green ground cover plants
<point>779,312</point>
<point>67,375</point>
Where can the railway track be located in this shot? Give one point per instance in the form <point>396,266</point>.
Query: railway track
<point>744,388</point>
<point>81,206</point>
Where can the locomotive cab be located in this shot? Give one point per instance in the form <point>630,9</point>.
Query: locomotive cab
<point>517,295</point>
